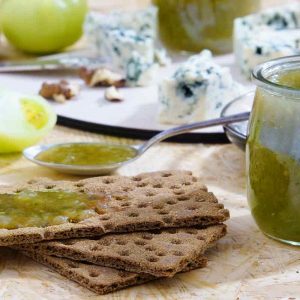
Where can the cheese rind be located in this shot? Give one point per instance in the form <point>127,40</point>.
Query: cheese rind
<point>198,90</point>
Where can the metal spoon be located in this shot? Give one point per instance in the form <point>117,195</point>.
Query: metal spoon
<point>32,152</point>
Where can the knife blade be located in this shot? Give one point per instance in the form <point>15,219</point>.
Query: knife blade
<point>54,62</point>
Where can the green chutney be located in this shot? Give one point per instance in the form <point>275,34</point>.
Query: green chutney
<point>194,25</point>
<point>86,154</point>
<point>274,162</point>
<point>45,208</point>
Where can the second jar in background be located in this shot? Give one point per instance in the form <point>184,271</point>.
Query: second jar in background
<point>192,25</point>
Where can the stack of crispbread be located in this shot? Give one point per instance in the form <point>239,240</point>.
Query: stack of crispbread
<point>154,225</point>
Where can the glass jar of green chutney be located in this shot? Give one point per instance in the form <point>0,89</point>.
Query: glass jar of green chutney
<point>273,150</point>
<point>193,25</point>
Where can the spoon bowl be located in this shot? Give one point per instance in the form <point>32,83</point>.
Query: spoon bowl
<point>31,154</point>
<point>102,169</point>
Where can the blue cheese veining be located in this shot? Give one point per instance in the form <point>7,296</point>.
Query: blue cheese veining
<point>198,90</point>
<point>270,34</point>
<point>129,41</point>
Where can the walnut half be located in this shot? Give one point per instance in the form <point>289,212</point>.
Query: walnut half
<point>59,92</point>
<point>102,77</point>
<point>113,95</point>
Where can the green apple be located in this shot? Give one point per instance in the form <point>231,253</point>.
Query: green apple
<point>24,120</point>
<point>42,26</point>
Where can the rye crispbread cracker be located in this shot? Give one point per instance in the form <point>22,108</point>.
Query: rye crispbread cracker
<point>159,253</point>
<point>144,202</point>
<point>101,280</point>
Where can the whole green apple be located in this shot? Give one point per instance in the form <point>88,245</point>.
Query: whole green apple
<point>42,26</point>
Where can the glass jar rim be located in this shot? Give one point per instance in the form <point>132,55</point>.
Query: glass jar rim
<point>263,71</point>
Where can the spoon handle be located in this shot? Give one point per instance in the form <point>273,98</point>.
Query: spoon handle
<point>189,127</point>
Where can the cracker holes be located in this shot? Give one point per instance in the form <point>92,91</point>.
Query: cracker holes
<point>93,274</point>
<point>194,179</point>
<point>105,218</point>
<point>175,186</point>
<point>167,220</point>
<point>158,206</point>
<point>140,243</point>
<point>137,179</point>
<point>142,184</point>
<point>201,199</point>
<point>191,208</point>
<point>142,205</point>
<point>191,231</point>
<point>95,248</point>
<point>121,242</point>
<point>166,175</point>
<point>79,184</point>
<point>157,186</point>
<point>122,274</point>
<point>147,236</point>
<point>133,214</point>
<point>152,259</point>
<point>163,212</point>
<point>176,241</point>
<point>200,238</point>
<point>161,253</point>
<point>81,191</point>
<point>182,198</point>
<point>108,226</point>
<point>150,194</point>
<point>125,204</point>
<point>178,192</point>
<point>177,253</point>
<point>124,253</point>
<point>50,186</point>
<point>73,265</point>
<point>105,243</point>
<point>69,242</point>
<point>150,248</point>
<point>127,189</point>
<point>156,231</point>
<point>187,183</point>
<point>171,202</point>
<point>108,180</point>
<point>219,205</point>
<point>32,181</point>
<point>120,197</point>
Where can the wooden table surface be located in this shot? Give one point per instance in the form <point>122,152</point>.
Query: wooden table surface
<point>244,265</point>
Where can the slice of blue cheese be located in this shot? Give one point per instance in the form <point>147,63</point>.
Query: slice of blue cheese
<point>139,71</point>
<point>143,22</point>
<point>129,41</point>
<point>198,90</point>
<point>119,44</point>
<point>266,35</point>
<point>268,45</point>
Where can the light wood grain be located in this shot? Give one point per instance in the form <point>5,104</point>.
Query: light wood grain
<point>244,265</point>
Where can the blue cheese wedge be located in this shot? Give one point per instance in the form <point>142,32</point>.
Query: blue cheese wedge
<point>129,41</point>
<point>266,46</point>
<point>143,22</point>
<point>198,90</point>
<point>270,34</point>
<point>139,71</point>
